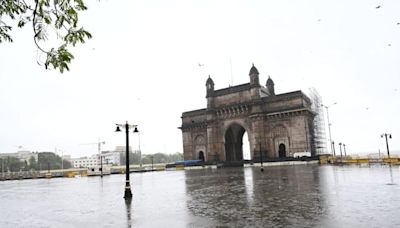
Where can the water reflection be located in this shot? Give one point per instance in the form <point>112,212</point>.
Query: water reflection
<point>248,197</point>
<point>360,196</point>
<point>248,177</point>
<point>285,196</point>
<point>391,175</point>
<point>128,203</point>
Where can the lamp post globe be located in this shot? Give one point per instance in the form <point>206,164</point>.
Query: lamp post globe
<point>386,135</point>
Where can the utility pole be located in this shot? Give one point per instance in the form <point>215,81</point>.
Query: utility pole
<point>261,158</point>
<point>101,157</point>
<point>55,151</point>
<point>333,147</point>
<point>140,151</point>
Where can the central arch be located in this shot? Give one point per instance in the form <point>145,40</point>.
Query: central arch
<point>234,143</point>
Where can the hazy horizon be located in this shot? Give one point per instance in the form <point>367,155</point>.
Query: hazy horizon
<point>148,62</point>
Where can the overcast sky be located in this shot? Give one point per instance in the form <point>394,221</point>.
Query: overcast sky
<point>142,65</point>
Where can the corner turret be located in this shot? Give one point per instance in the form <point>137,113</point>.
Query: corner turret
<point>254,79</point>
<point>210,92</point>
<point>270,86</point>
<point>209,86</point>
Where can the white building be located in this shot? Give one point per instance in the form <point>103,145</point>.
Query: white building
<point>111,157</point>
<point>81,162</point>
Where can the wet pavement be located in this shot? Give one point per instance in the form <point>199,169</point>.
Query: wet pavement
<point>283,196</point>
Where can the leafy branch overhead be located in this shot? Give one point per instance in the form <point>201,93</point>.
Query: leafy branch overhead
<point>57,16</point>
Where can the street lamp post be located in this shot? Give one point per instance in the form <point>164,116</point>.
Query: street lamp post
<point>333,148</point>
<point>340,146</point>
<point>329,127</point>
<point>387,144</point>
<point>126,126</point>
<point>344,148</point>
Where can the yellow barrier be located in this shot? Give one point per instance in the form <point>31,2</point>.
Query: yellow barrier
<point>363,160</point>
<point>70,174</point>
<point>351,161</point>
<point>84,173</point>
<point>180,167</point>
<point>325,160</point>
<point>391,160</point>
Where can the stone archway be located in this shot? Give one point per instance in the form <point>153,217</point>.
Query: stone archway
<point>234,142</point>
<point>201,156</point>
<point>200,148</point>
<point>282,150</point>
<point>281,141</point>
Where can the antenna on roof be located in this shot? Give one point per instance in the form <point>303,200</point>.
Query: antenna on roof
<point>230,61</point>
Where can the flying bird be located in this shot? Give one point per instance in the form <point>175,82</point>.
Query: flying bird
<point>200,65</point>
<point>378,7</point>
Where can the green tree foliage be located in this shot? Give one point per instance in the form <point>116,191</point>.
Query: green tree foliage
<point>11,164</point>
<point>134,158</point>
<point>50,160</point>
<point>59,16</point>
<point>46,160</point>
<point>175,157</point>
<point>161,158</point>
<point>33,164</point>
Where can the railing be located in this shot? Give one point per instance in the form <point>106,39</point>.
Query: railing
<point>41,174</point>
<point>393,160</point>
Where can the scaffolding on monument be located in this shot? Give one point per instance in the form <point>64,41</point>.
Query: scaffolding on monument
<point>319,141</point>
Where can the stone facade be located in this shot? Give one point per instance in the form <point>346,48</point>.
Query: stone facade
<point>278,125</point>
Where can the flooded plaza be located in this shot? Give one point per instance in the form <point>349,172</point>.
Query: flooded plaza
<point>281,196</point>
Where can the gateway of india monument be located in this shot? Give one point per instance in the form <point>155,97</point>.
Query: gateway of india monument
<point>278,125</point>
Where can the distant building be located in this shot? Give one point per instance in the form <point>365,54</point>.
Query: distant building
<point>66,157</point>
<point>111,157</point>
<point>22,155</point>
<point>122,149</point>
<point>84,162</point>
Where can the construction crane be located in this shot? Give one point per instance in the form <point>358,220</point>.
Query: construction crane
<point>99,143</point>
